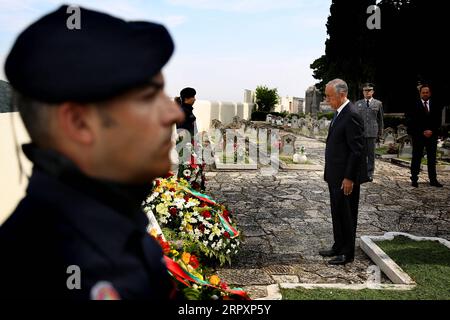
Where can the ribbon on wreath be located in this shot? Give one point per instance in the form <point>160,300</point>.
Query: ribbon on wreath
<point>186,277</point>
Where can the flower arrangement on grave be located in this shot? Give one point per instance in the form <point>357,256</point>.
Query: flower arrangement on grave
<point>192,170</point>
<point>193,173</point>
<point>194,217</point>
<point>194,280</point>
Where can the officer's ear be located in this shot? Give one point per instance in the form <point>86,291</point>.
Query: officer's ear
<point>77,122</point>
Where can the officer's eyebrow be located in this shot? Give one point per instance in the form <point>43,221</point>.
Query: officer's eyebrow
<point>150,90</point>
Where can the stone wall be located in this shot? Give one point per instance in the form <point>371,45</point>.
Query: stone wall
<point>205,111</point>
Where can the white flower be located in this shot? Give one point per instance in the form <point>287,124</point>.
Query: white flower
<point>228,251</point>
<point>207,231</point>
<point>187,173</point>
<point>193,220</point>
<point>205,243</point>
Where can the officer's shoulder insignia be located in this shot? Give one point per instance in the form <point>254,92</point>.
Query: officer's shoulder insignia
<point>104,290</point>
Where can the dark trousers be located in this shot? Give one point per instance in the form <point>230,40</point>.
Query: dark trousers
<point>344,213</point>
<point>370,152</point>
<point>430,144</point>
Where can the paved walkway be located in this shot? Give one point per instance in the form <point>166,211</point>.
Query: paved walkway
<point>285,219</point>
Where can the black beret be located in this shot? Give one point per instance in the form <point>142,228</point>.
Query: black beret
<point>187,93</point>
<point>104,58</point>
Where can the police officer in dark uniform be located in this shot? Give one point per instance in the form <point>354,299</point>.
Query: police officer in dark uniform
<point>187,98</point>
<point>92,100</point>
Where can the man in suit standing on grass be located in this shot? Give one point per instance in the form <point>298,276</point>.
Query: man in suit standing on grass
<point>345,170</point>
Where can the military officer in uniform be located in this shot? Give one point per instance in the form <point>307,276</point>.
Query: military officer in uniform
<point>371,111</point>
<point>92,100</point>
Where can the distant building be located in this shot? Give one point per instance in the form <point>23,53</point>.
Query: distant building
<point>249,96</point>
<point>290,104</point>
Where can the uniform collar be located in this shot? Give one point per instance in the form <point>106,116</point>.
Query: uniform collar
<point>123,198</point>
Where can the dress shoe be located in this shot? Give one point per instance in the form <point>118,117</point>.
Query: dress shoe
<point>340,260</point>
<point>415,184</point>
<point>328,253</point>
<point>436,184</point>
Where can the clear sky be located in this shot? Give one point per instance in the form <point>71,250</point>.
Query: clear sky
<point>222,46</point>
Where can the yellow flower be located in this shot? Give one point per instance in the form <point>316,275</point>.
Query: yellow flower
<point>154,232</point>
<point>167,197</point>
<point>174,253</point>
<point>161,208</point>
<point>189,227</point>
<point>186,257</point>
<point>214,280</point>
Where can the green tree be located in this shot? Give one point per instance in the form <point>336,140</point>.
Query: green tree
<point>395,57</point>
<point>266,98</point>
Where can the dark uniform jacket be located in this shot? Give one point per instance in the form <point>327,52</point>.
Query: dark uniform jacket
<point>419,120</point>
<point>344,152</point>
<point>189,122</point>
<point>68,219</point>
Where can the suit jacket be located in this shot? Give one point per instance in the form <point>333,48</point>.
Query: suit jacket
<point>418,120</point>
<point>56,226</point>
<point>344,153</point>
<point>372,117</point>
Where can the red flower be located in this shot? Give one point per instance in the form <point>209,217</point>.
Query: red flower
<point>201,227</point>
<point>226,235</point>
<point>203,204</point>
<point>157,183</point>
<point>172,189</point>
<point>173,211</point>
<point>194,261</point>
<point>186,198</point>
<point>206,214</point>
<point>223,285</point>
<point>164,244</point>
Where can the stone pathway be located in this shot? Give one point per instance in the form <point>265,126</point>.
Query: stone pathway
<point>285,219</point>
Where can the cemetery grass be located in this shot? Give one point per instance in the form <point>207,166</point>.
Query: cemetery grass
<point>427,262</point>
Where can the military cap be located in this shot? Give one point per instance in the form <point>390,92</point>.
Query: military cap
<point>105,57</point>
<point>368,86</point>
<point>187,93</point>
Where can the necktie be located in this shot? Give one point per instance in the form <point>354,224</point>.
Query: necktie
<point>334,118</point>
<point>425,104</point>
<point>367,102</point>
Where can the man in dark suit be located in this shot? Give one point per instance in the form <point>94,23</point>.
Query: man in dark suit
<point>101,127</point>
<point>423,121</point>
<point>345,170</point>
